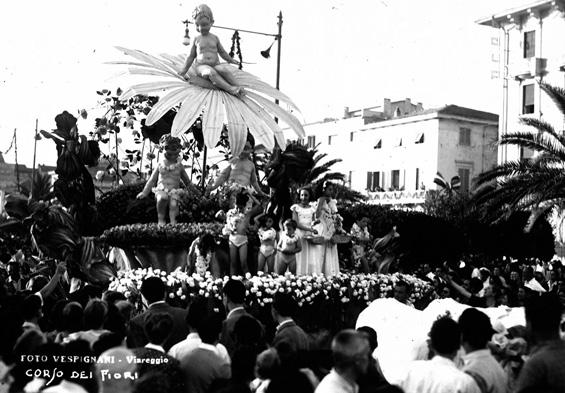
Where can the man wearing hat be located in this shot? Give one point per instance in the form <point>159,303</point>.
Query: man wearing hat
<point>476,332</point>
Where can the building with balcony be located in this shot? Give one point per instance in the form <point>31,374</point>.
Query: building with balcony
<point>531,50</point>
<point>394,151</point>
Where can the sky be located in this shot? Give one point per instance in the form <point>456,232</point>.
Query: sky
<point>334,54</point>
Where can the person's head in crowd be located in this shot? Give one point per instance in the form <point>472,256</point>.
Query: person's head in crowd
<point>401,291</point>
<point>466,283</point>
<point>73,316</point>
<point>521,295</point>
<point>56,318</point>
<point>543,316</point>
<point>554,275</point>
<point>115,322</point>
<point>539,278</point>
<point>153,289</point>
<point>476,329</point>
<point>371,335</point>
<point>248,331</point>
<point>107,341</point>
<point>95,314</point>
<point>426,269</point>
<point>14,271</point>
<point>528,273</point>
<point>111,297</point>
<point>92,291</point>
<point>561,292</point>
<point>158,327</point>
<point>496,272</point>
<point>485,274</point>
<point>210,327</point>
<point>125,308</point>
<point>350,351</point>
<point>291,380</point>
<point>514,276</point>
<point>36,283</point>
<point>121,365</point>
<point>284,306</point>
<point>502,298</point>
<point>475,285</point>
<point>234,294</point>
<point>32,308</point>
<point>445,337</point>
<point>445,292</point>
<point>196,310</point>
<point>267,364</point>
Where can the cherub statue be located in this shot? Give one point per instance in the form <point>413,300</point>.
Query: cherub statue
<point>205,54</point>
<point>165,180</point>
<point>240,173</point>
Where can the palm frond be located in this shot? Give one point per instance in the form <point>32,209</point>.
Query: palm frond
<point>557,95</point>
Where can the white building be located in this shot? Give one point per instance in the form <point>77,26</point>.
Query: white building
<point>532,48</point>
<point>393,152</point>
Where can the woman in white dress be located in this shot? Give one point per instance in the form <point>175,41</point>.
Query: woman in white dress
<point>309,260</point>
<point>326,213</point>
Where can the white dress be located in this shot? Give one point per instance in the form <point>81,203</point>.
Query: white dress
<point>328,210</point>
<point>309,260</point>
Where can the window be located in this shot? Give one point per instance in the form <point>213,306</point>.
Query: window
<point>464,177</point>
<point>529,44</point>
<point>528,99</point>
<point>300,141</point>
<point>311,141</point>
<point>379,144</point>
<point>465,136</point>
<point>330,139</point>
<point>351,136</point>
<point>397,112</point>
<point>373,181</point>
<point>349,178</point>
<point>395,179</point>
<point>417,178</point>
<point>399,142</point>
<point>420,138</point>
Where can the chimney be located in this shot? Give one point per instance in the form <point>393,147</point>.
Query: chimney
<point>419,107</point>
<point>387,110</point>
<point>346,114</point>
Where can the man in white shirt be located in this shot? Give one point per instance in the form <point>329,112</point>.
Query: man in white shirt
<point>195,314</point>
<point>440,375</point>
<point>351,359</point>
<point>476,331</point>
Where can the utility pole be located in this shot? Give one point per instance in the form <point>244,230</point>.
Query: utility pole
<point>34,154</point>
<point>16,154</point>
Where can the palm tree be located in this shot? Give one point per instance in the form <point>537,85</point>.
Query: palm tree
<point>42,186</point>
<point>535,184</point>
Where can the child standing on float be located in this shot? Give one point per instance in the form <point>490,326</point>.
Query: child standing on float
<point>165,180</point>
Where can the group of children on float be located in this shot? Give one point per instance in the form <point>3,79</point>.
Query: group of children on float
<point>304,245</point>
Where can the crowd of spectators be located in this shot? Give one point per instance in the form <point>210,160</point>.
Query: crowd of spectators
<point>93,340</point>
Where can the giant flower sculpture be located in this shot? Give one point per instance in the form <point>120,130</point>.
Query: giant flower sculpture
<point>252,111</point>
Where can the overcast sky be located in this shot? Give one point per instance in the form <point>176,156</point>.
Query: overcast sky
<point>335,53</point>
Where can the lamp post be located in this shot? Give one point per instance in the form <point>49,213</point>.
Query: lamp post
<point>265,53</point>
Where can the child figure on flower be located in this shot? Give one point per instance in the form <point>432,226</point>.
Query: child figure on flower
<point>205,54</point>
<point>165,180</point>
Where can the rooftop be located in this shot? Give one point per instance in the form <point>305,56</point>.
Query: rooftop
<point>513,15</point>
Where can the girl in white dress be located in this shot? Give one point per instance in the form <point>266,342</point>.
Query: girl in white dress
<point>326,213</point>
<point>309,260</point>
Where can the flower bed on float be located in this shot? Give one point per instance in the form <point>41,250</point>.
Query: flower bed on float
<point>325,302</point>
<point>154,235</point>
